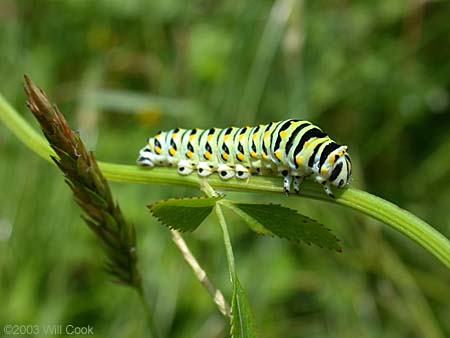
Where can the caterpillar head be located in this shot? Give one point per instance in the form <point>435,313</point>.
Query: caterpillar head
<point>341,170</point>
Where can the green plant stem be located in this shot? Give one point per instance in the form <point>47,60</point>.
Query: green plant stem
<point>227,242</point>
<point>210,192</point>
<point>375,207</point>
<point>401,220</point>
<point>23,131</point>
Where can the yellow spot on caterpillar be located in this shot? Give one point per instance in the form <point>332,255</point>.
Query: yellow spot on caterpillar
<point>226,137</point>
<point>298,160</point>
<point>158,150</point>
<point>282,133</point>
<point>264,155</point>
<point>240,156</point>
<point>306,144</point>
<point>188,154</point>
<point>323,171</point>
<point>172,151</point>
<point>278,154</point>
<point>241,137</point>
<point>252,154</point>
<point>210,137</point>
<point>225,156</point>
<point>191,137</point>
<point>266,134</point>
<point>254,135</point>
<point>207,155</point>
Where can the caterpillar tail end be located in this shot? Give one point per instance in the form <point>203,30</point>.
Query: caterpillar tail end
<point>144,160</point>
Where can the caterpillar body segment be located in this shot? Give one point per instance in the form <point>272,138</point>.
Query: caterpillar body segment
<point>293,148</point>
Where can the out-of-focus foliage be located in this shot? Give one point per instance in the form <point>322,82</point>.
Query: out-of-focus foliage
<point>375,75</point>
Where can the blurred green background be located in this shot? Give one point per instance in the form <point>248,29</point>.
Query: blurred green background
<point>373,74</point>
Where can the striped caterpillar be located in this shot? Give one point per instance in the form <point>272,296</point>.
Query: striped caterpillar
<point>295,149</point>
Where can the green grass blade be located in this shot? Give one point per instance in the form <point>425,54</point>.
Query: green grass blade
<point>269,44</point>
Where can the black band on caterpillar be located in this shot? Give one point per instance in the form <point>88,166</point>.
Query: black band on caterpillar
<point>296,149</point>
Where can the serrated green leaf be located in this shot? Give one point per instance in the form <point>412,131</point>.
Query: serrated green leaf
<point>242,323</point>
<point>276,220</point>
<point>183,214</point>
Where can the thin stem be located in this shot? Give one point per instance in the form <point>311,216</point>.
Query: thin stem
<point>375,207</point>
<point>215,293</point>
<point>227,242</point>
<point>210,192</point>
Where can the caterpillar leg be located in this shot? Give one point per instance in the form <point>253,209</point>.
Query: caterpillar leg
<point>242,172</point>
<point>265,172</point>
<point>225,172</point>
<point>325,184</point>
<point>204,169</point>
<point>287,181</point>
<point>297,181</point>
<point>185,167</point>
<point>328,191</point>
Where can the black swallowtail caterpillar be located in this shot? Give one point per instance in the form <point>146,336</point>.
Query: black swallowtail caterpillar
<point>294,148</point>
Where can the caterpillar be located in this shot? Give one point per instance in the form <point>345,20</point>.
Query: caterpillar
<point>293,148</point>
